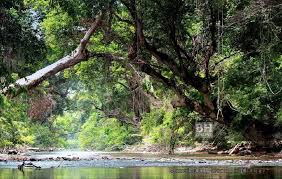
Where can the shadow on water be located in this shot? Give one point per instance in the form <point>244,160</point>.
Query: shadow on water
<point>144,173</point>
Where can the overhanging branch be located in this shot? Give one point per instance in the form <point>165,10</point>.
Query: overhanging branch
<point>75,57</point>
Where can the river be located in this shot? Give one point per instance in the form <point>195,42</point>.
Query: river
<point>139,166</point>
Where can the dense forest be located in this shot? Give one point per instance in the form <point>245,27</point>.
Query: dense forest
<point>106,74</point>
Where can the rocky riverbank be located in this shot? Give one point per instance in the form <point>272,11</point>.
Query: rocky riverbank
<point>241,149</point>
<point>91,156</point>
<point>93,159</point>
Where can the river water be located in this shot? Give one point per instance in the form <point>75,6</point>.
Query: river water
<point>144,173</point>
<point>141,166</point>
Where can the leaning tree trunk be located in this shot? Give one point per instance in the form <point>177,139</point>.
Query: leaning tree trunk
<point>75,57</point>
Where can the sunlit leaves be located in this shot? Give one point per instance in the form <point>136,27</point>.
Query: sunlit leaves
<point>58,28</point>
<point>103,134</point>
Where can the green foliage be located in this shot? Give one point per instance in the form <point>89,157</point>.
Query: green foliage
<point>45,136</point>
<point>58,28</point>
<point>105,134</point>
<point>17,129</point>
<point>151,120</point>
<point>169,128</point>
<point>251,84</point>
<point>233,138</point>
<point>13,124</point>
<point>21,49</point>
<point>100,97</point>
<point>279,116</point>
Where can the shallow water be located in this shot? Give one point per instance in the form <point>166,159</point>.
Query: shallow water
<point>143,173</point>
<point>125,165</point>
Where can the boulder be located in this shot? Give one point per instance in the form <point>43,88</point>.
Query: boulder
<point>105,158</point>
<point>66,158</point>
<point>12,152</point>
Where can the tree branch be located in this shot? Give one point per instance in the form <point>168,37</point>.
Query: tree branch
<point>76,56</point>
<point>193,105</point>
<point>188,77</point>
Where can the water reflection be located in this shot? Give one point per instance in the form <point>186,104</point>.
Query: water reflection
<point>144,173</point>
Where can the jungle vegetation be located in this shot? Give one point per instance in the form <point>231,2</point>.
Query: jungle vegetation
<point>105,74</point>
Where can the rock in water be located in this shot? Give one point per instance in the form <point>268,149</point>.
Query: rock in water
<point>12,152</point>
<point>33,159</point>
